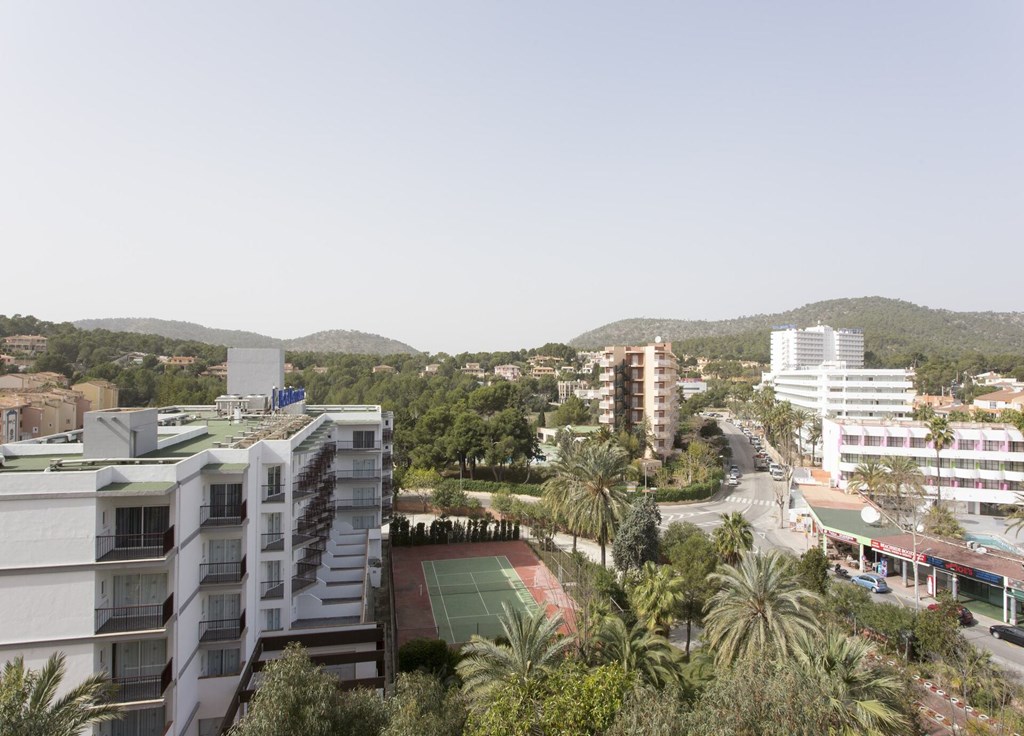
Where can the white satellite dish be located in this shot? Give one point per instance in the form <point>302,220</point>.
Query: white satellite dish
<point>657,340</point>
<point>869,515</point>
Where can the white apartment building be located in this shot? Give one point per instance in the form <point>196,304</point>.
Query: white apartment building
<point>838,391</point>
<point>170,557</point>
<point>638,384</point>
<point>690,387</point>
<point>981,470</point>
<point>794,348</point>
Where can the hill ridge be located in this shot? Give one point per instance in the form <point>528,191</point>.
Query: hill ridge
<point>327,341</point>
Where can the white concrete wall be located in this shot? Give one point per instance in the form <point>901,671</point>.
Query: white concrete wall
<point>57,531</point>
<point>37,607</point>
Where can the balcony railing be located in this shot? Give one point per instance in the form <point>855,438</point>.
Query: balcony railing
<point>272,541</point>
<point>212,573</point>
<point>120,619</point>
<point>230,514</point>
<point>387,435</point>
<point>221,629</point>
<point>305,575</point>
<point>271,589</point>
<point>143,687</point>
<point>353,445</point>
<point>134,546</point>
<point>273,493</point>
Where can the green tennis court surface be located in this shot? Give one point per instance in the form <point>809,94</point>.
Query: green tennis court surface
<point>466,595</point>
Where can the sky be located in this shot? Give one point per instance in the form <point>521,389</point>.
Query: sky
<point>478,175</point>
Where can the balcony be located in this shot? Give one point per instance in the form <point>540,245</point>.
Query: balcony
<point>270,589</point>
<point>145,687</point>
<point>121,619</point>
<point>216,573</point>
<point>272,541</point>
<point>353,446</point>
<point>353,474</point>
<point>222,515</point>
<point>305,575</point>
<point>116,547</point>
<point>342,504</point>
<point>386,436</point>
<point>222,629</point>
<point>273,494</point>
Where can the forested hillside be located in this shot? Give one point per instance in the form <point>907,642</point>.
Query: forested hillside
<point>329,341</point>
<point>892,329</point>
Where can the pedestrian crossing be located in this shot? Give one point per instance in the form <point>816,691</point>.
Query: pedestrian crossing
<point>667,519</point>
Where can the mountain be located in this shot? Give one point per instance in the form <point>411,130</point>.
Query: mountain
<point>330,341</point>
<point>891,328</point>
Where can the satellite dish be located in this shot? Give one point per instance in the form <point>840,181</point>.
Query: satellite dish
<point>870,515</point>
<point>982,550</point>
<point>657,340</point>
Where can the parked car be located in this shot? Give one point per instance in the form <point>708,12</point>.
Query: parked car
<point>873,582</point>
<point>1013,634</point>
<point>963,613</point>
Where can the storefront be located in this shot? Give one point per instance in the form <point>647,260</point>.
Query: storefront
<point>848,548</point>
<point>967,582</point>
<point>892,559</point>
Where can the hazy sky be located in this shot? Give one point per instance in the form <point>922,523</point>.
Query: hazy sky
<point>487,175</point>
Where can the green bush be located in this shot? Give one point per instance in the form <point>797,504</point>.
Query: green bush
<point>490,486</point>
<point>428,655</point>
<point>695,492</point>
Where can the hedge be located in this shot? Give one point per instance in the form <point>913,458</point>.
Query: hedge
<point>490,486</point>
<point>430,655</point>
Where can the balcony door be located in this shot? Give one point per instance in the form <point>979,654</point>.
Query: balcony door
<point>139,658</point>
<point>225,498</point>
<point>225,550</point>
<point>224,610</point>
<point>141,526</point>
<point>140,590</point>
<point>363,468</point>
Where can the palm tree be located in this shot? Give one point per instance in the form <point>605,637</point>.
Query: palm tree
<point>802,419</point>
<point>734,537</point>
<point>870,478</point>
<point>906,485</point>
<point>858,699</point>
<point>1016,515</point>
<point>596,500</point>
<point>941,437</point>
<point>638,651</point>
<point>814,436</point>
<point>29,705</point>
<point>655,598</point>
<point>533,650</point>
<point>760,608</point>
<point>559,490</point>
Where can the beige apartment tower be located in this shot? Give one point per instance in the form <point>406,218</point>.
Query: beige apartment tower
<point>638,384</point>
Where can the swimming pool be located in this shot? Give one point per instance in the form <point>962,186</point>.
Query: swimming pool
<point>987,540</point>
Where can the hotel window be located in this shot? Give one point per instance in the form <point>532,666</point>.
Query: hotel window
<point>989,465</point>
<point>993,445</point>
<point>967,445</point>
<point>272,619</point>
<point>851,439</point>
<point>894,442</point>
<point>363,439</point>
<point>918,442</point>
<point>1017,447</point>
<point>872,441</point>
<point>364,522</point>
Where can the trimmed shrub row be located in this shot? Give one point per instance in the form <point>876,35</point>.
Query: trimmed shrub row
<point>695,492</point>
<point>490,486</point>
<point>447,531</point>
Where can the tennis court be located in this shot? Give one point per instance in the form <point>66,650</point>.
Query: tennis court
<point>466,595</point>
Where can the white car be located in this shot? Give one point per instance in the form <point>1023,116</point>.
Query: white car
<point>733,480</point>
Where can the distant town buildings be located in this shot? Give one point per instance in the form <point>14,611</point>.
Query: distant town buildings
<point>474,369</point>
<point>638,384</point>
<point>100,394</point>
<point>383,369</point>
<point>999,400</point>
<point>567,389</point>
<point>25,344</point>
<point>690,387</point>
<point>508,371</point>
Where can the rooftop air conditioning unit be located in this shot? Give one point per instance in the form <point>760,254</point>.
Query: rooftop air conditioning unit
<point>972,545</point>
<point>981,550</point>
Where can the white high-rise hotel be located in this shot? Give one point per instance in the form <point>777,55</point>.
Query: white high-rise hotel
<point>170,549</point>
<point>822,370</point>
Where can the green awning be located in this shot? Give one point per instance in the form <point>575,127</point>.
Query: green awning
<point>225,467</point>
<point>140,487</point>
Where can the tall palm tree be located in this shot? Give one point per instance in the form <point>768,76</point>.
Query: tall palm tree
<point>655,598</point>
<point>596,500</point>
<point>1016,515</point>
<point>870,478</point>
<point>559,490</point>
<point>941,436</point>
<point>638,651</point>
<point>734,537</point>
<point>760,608</point>
<point>802,419</point>
<point>29,703</point>
<point>857,698</point>
<point>533,650</point>
<point>814,436</point>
